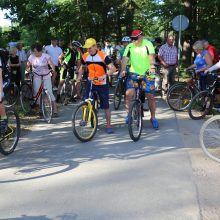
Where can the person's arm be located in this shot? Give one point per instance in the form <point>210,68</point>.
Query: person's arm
<point>215,67</point>
<point>51,64</point>
<point>193,66</point>
<point>111,69</point>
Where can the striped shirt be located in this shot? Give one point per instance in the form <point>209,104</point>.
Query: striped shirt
<point>168,54</point>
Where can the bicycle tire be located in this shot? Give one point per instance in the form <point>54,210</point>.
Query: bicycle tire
<point>210,138</point>
<point>135,117</point>
<point>118,94</point>
<point>46,105</point>
<point>82,129</point>
<point>179,96</point>
<point>200,105</point>
<point>26,98</point>
<point>11,95</point>
<point>8,141</point>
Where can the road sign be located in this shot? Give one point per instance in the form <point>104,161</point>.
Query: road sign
<point>180,23</point>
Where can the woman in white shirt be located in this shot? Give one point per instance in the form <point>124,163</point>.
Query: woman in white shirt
<point>39,62</point>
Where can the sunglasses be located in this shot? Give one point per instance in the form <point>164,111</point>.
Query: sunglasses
<point>135,38</point>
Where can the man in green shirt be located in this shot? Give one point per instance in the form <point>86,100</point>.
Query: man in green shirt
<point>141,55</point>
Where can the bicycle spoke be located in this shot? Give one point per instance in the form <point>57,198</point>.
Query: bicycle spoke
<point>210,138</point>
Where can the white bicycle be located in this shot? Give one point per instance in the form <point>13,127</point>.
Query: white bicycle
<point>210,138</point>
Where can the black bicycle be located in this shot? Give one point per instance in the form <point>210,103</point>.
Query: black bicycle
<point>9,138</point>
<point>120,89</point>
<point>11,91</point>
<point>67,91</point>
<point>180,94</point>
<point>135,114</point>
<point>203,102</point>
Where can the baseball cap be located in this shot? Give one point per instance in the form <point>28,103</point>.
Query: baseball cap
<point>89,43</point>
<point>136,33</point>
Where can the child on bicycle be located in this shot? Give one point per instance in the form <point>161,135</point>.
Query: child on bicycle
<point>3,117</point>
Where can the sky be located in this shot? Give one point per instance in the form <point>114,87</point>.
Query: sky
<point>4,22</point>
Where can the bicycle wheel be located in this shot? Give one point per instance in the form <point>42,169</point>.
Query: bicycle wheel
<point>26,98</point>
<point>118,94</point>
<point>11,95</point>
<point>46,105</point>
<point>200,105</point>
<point>84,122</point>
<point>9,140</point>
<point>135,121</point>
<point>179,96</point>
<point>210,138</point>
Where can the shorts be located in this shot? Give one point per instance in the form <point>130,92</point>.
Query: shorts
<point>147,83</point>
<point>103,93</point>
<point>63,73</point>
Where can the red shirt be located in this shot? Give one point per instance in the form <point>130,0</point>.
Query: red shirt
<point>213,53</point>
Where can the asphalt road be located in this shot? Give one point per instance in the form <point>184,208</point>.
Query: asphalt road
<point>165,175</point>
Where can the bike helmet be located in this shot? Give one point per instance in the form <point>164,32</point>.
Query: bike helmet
<point>76,43</point>
<point>126,39</point>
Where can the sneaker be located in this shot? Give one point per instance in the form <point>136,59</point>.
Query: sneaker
<point>109,130</point>
<point>3,126</point>
<point>155,123</point>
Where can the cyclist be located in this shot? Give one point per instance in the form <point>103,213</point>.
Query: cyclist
<point>70,60</point>
<point>3,117</point>
<point>202,62</point>
<point>141,55</point>
<point>97,63</point>
<point>39,62</point>
<point>125,41</point>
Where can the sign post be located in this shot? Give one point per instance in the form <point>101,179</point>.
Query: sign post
<point>180,23</point>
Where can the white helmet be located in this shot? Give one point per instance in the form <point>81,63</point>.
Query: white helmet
<point>76,43</point>
<point>126,39</point>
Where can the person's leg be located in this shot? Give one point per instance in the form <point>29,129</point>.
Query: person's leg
<point>172,74</point>
<point>165,74</point>
<point>151,104</point>
<point>48,86</point>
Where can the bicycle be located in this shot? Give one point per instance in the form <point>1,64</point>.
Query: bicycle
<point>84,118</point>
<point>180,94</point>
<point>119,91</point>
<point>202,103</point>
<point>67,89</point>
<point>29,100</point>
<point>210,138</point>
<point>135,114</point>
<point>9,140</point>
<point>10,90</point>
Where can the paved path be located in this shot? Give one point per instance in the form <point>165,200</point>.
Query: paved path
<point>165,175</point>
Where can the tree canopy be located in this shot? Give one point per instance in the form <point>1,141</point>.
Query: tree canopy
<point>79,19</point>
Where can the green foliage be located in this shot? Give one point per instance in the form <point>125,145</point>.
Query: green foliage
<point>79,19</point>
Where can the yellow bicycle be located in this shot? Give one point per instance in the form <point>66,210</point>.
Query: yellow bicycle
<point>9,138</point>
<point>84,118</point>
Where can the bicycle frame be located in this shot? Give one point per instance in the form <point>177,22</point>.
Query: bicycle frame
<point>36,97</point>
<point>89,101</point>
